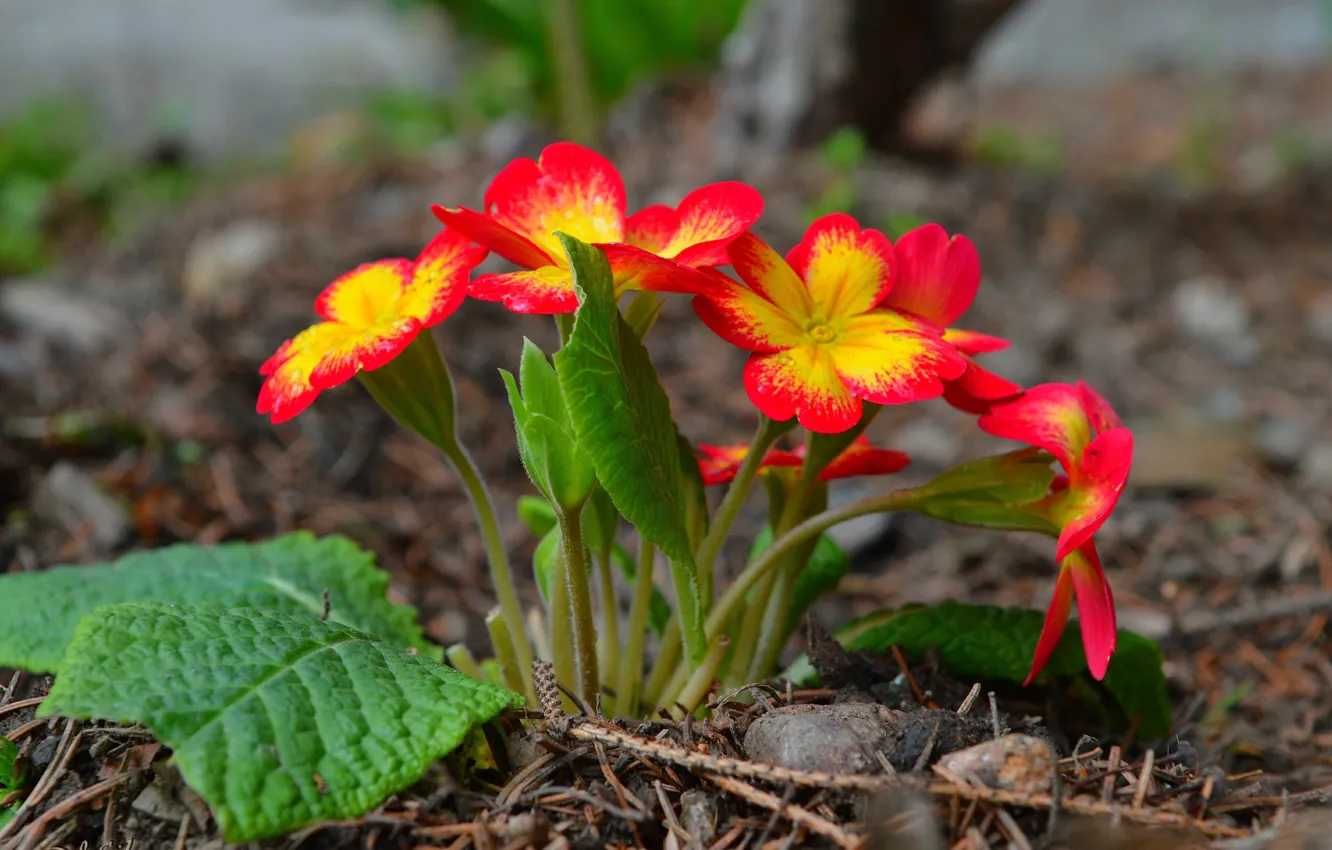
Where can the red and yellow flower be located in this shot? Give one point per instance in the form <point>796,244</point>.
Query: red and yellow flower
<point>370,315</point>
<point>576,191</point>
<point>821,342</point>
<point>1082,431</point>
<point>719,464</point>
<point>935,283</point>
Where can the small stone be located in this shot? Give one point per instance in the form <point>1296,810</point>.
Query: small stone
<point>1282,442</point>
<point>1207,310</point>
<point>1316,469</point>
<point>1020,763</point>
<point>221,267</point>
<point>698,815</point>
<point>155,802</point>
<point>836,739</point>
<point>856,537</point>
<point>69,497</point>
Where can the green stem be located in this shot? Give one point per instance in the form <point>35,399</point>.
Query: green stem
<point>460,658</point>
<point>776,626</point>
<point>696,689</point>
<point>609,650</point>
<point>733,501</point>
<point>631,663</point>
<point>668,656</point>
<point>503,641</point>
<point>580,603</point>
<point>501,575</point>
<point>561,637</point>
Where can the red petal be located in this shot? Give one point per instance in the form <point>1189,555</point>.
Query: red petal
<point>569,189</point>
<point>888,366</point>
<point>439,278</point>
<point>719,464</point>
<point>635,268</point>
<point>1056,617</point>
<point>743,317</point>
<point>1099,411</point>
<point>861,458</point>
<point>973,343</point>
<point>978,389</point>
<point>847,270</point>
<point>1096,607</point>
<point>1048,416</point>
<point>706,221</point>
<point>545,290</point>
<point>1094,489</point>
<point>801,382</point>
<point>483,229</point>
<point>937,277</point>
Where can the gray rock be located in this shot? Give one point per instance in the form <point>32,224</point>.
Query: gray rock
<point>836,739</point>
<point>1021,763</point>
<point>1320,319</point>
<point>859,534</point>
<point>698,815</point>
<point>156,802</point>
<point>1282,442</point>
<point>1206,309</point>
<point>1316,468</point>
<point>70,498</point>
<point>930,443</point>
<point>60,315</point>
<point>221,267</point>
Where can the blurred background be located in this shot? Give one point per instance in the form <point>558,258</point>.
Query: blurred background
<point>1147,181</point>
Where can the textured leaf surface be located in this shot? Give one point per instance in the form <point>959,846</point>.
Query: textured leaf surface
<point>623,421</point>
<point>276,720</point>
<point>39,610</point>
<point>987,642</point>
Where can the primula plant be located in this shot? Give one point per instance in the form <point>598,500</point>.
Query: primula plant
<point>290,690</point>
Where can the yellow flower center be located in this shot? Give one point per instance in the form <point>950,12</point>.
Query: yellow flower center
<point>822,332</point>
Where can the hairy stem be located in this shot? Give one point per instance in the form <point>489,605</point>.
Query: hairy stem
<point>561,636</point>
<point>580,603</point>
<point>608,651</point>
<point>668,656</point>
<point>631,664</point>
<point>503,643</point>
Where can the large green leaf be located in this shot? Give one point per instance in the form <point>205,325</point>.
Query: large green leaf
<point>39,610</point>
<point>622,418</point>
<point>987,642</point>
<point>276,720</point>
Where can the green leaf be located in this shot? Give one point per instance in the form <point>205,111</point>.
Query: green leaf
<point>1013,478</point>
<point>623,421</point>
<point>541,386</point>
<point>537,514</point>
<point>11,778</point>
<point>987,642</point>
<point>546,562</point>
<point>276,720</point>
<point>824,569</point>
<point>564,472</point>
<point>987,515</point>
<point>39,610</point>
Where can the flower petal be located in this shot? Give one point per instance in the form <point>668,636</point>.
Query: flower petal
<point>698,231</point>
<point>569,189</point>
<point>802,382</point>
<point>937,277</point>
<point>847,270</point>
<point>1056,617</point>
<point>978,389</point>
<point>546,290</point>
<point>769,275</point>
<point>861,458</point>
<point>439,278</point>
<point>889,366</point>
<point>352,350</point>
<point>484,230</point>
<point>1099,411</point>
<point>366,295</point>
<point>1096,607</point>
<point>635,268</point>
<point>972,342</point>
<point>744,318</point>
<point>719,464</point>
<point>1095,485</point>
<point>1048,416</point>
<point>290,386</point>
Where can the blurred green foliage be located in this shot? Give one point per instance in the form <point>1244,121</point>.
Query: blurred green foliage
<point>841,155</point>
<point>1006,147</point>
<point>621,41</point>
<point>52,177</point>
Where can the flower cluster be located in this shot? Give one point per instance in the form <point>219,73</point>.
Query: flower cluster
<point>846,317</point>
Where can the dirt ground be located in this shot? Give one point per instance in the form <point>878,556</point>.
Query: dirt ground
<point>1204,316</point>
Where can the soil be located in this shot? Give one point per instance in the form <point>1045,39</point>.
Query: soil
<point>1204,316</point>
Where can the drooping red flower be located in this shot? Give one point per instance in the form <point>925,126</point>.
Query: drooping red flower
<point>370,315</point>
<point>936,282</point>
<point>821,344</point>
<point>1082,431</point>
<point>719,464</point>
<point>577,191</point>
